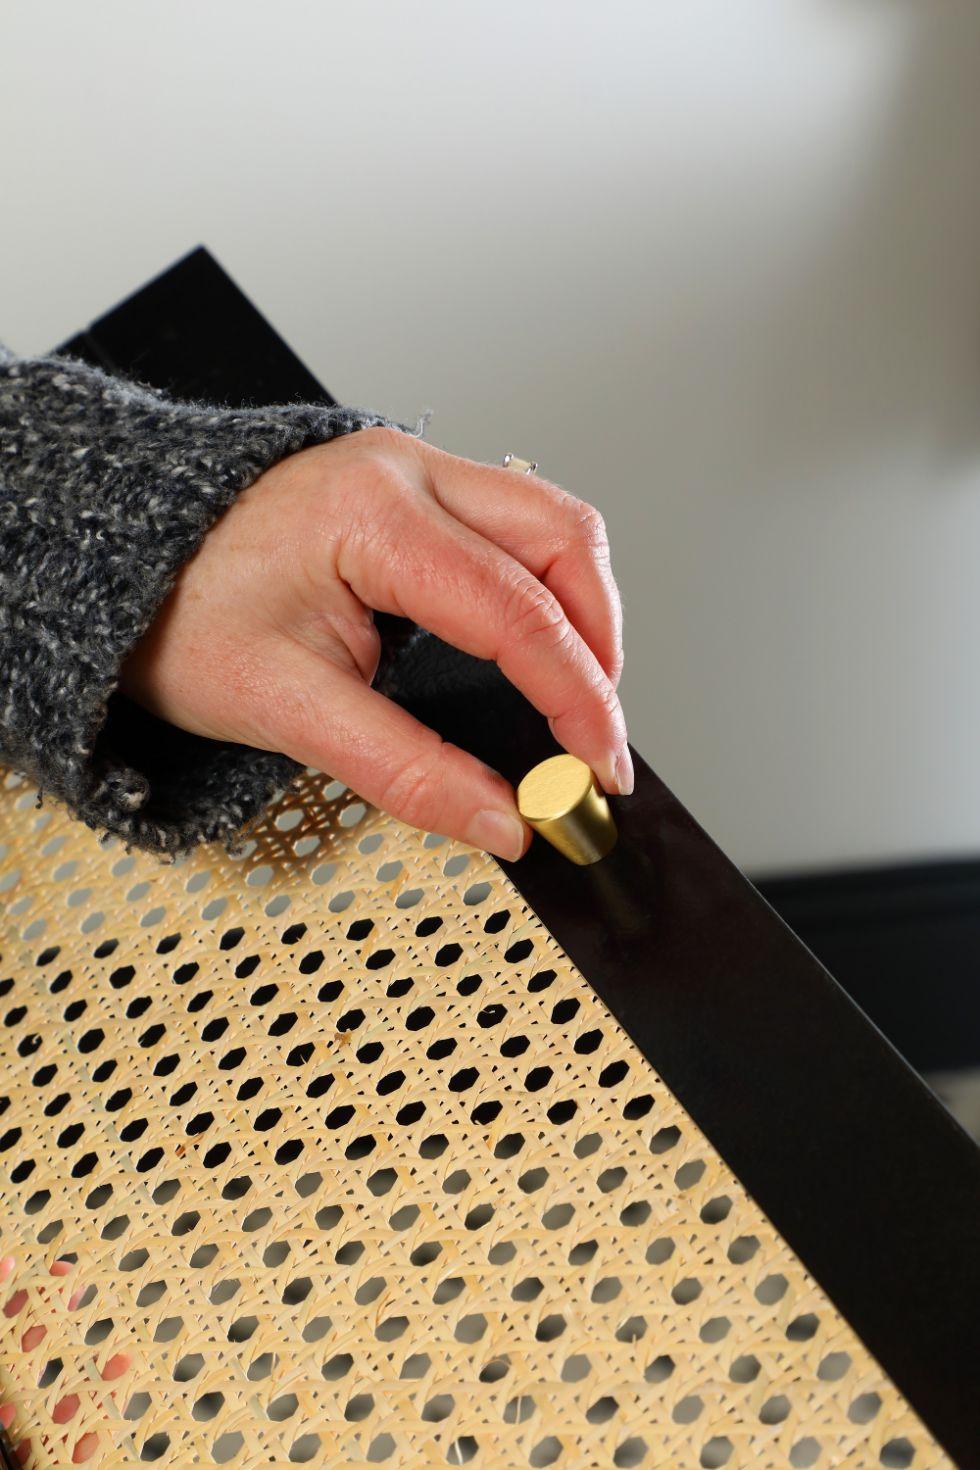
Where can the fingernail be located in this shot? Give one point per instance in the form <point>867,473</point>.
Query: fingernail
<point>624,772</point>
<point>497,833</point>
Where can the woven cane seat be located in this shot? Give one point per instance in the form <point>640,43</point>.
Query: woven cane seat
<point>357,1169</point>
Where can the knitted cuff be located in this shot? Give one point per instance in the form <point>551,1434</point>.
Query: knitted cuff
<point>106,490</point>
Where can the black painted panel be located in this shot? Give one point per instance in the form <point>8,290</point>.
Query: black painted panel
<point>154,336</point>
<point>904,941</point>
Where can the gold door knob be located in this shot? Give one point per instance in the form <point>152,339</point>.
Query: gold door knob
<point>561,799</point>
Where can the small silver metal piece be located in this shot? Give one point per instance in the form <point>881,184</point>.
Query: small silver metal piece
<point>511,462</point>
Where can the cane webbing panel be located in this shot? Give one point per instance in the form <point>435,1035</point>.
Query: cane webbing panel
<point>357,1169</point>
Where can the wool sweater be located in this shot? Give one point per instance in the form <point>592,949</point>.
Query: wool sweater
<point>106,489</point>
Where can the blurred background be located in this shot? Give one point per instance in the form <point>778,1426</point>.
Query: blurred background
<point>715,265</point>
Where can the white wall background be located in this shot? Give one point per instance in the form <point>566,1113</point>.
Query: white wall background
<point>715,263</point>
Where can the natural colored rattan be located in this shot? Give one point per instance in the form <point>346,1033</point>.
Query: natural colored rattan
<point>358,1169</point>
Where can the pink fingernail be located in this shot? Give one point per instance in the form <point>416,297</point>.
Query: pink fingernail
<point>624,772</point>
<point>498,833</point>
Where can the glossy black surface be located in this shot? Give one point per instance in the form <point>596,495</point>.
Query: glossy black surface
<point>864,1173</point>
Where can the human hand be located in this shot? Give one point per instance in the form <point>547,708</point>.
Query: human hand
<point>268,637</point>
<point>82,1448</point>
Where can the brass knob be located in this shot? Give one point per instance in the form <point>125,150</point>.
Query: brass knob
<point>561,799</point>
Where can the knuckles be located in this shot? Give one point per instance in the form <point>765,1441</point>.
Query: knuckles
<point>591,529</point>
<point>608,700</point>
<point>379,481</point>
<point>615,670</point>
<point>386,456</point>
<point>584,526</point>
<point>413,793</point>
<point>533,613</point>
<point>383,437</point>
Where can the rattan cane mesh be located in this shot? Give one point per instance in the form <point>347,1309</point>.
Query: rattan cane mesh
<point>354,1165</point>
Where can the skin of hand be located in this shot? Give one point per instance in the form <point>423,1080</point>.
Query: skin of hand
<point>268,636</point>
<point>17,1305</point>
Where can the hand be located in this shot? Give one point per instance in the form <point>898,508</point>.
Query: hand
<point>268,638</point>
<point>66,1408</point>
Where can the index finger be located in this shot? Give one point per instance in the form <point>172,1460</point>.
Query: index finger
<point>559,538</point>
<point>462,587</point>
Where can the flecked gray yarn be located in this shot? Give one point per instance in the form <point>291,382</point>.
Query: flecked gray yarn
<point>106,489</point>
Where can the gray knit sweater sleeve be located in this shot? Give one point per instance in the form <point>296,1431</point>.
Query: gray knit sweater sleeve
<point>106,489</point>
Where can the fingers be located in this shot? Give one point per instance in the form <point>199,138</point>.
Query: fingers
<point>430,568</point>
<point>33,1336</point>
<point>559,538</point>
<point>328,718</point>
<point>15,1303</point>
<point>66,1407</point>
<point>86,1447</point>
